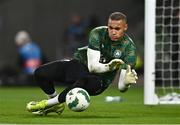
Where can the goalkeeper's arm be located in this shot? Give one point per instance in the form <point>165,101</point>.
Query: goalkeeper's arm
<point>95,66</point>
<point>126,77</point>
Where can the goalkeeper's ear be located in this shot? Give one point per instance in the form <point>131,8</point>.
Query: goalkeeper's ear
<point>126,27</point>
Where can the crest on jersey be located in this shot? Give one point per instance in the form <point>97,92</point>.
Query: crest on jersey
<point>117,53</point>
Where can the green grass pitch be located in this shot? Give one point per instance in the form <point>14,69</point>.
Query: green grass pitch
<point>131,110</point>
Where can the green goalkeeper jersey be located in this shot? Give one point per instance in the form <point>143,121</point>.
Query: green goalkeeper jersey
<point>99,40</point>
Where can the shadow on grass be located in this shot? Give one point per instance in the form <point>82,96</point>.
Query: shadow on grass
<point>71,116</point>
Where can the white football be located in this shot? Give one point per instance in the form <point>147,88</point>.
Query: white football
<point>77,99</point>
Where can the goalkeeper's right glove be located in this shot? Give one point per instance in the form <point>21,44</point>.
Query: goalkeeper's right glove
<point>115,64</point>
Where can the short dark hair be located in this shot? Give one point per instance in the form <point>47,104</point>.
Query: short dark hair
<point>118,16</point>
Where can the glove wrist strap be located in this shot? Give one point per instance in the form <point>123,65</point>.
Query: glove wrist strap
<point>121,82</point>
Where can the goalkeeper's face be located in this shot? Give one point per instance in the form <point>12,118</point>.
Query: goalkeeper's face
<point>116,29</point>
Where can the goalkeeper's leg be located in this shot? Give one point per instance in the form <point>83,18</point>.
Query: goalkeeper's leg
<point>66,71</point>
<point>93,84</point>
<point>46,74</point>
<point>45,77</point>
<point>60,71</point>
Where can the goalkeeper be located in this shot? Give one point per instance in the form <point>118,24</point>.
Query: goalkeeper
<point>93,68</point>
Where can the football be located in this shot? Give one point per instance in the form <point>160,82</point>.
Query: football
<point>77,99</point>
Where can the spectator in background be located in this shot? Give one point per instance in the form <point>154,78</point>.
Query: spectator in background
<point>29,55</point>
<point>92,22</point>
<point>75,35</point>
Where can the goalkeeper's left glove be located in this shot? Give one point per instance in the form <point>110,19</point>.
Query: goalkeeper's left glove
<point>127,77</point>
<point>130,76</point>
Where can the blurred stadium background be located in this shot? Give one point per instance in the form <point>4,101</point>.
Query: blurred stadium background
<point>58,27</point>
<point>48,22</point>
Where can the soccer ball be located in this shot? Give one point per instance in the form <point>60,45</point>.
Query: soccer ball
<point>77,99</point>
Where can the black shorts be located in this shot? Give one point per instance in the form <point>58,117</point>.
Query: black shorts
<point>72,72</point>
